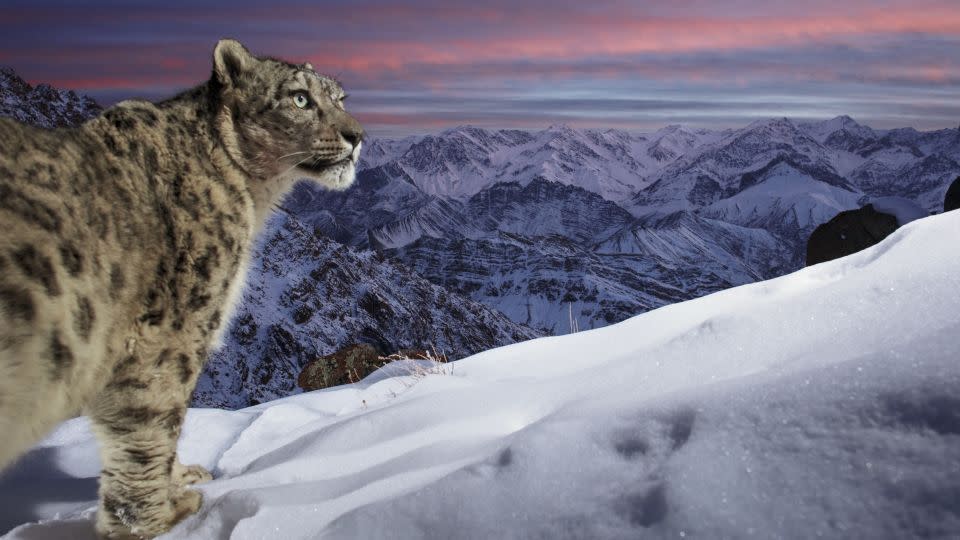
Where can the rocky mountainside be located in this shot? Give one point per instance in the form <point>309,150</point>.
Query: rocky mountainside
<point>43,105</point>
<point>594,225</point>
<point>308,296</point>
<point>544,253</point>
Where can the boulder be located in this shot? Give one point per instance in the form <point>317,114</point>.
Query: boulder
<point>352,363</point>
<point>348,365</point>
<point>952,199</point>
<point>849,232</point>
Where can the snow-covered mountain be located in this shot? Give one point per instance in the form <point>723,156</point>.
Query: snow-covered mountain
<point>823,404</point>
<point>460,162</point>
<point>43,105</point>
<point>307,296</point>
<point>544,251</point>
<point>599,224</point>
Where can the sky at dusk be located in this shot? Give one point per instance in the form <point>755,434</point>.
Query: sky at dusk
<point>424,65</point>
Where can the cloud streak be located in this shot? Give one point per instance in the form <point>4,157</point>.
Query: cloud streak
<point>520,58</point>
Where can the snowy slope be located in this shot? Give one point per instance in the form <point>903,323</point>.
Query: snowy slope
<point>820,404</point>
<point>784,199</point>
<point>841,131</point>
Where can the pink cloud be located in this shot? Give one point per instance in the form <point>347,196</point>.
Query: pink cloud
<point>445,50</point>
<point>607,35</point>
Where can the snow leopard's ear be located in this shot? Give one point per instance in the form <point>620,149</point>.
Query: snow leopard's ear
<point>230,61</point>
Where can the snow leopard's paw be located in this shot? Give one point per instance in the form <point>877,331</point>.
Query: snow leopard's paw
<point>184,475</point>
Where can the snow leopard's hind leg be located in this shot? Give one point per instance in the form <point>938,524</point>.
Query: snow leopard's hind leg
<point>137,419</point>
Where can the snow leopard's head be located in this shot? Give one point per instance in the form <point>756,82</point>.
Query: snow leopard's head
<point>278,119</point>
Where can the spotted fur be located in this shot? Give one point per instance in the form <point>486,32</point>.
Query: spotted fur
<point>123,245</point>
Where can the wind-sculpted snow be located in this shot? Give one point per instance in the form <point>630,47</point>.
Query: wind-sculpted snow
<point>822,404</point>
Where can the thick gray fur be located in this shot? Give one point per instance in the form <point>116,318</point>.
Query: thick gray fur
<point>123,244</point>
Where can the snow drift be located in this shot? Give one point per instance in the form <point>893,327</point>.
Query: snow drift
<point>823,403</point>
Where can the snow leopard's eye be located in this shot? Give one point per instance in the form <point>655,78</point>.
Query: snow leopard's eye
<point>301,100</point>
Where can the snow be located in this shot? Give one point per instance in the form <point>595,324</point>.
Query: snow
<point>461,162</point>
<point>822,403</point>
<point>785,190</point>
<point>903,209</point>
<point>822,130</point>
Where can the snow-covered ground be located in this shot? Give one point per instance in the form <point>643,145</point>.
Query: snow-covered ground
<point>825,403</point>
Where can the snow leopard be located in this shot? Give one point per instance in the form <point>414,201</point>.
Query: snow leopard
<point>123,244</point>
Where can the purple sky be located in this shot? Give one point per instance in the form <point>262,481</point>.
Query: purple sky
<point>424,65</point>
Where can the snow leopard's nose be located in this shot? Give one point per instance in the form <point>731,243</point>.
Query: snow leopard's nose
<point>352,132</point>
<point>353,136</point>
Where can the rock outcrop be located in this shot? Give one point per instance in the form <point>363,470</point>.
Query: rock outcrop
<point>848,233</point>
<point>951,200</point>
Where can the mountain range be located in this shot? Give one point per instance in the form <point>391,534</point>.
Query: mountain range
<point>566,228</point>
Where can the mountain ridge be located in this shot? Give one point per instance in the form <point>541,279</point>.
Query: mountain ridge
<point>43,105</point>
<point>771,183</point>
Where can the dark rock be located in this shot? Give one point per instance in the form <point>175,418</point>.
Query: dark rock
<point>244,329</point>
<point>352,363</point>
<point>302,314</point>
<point>952,199</point>
<point>348,365</point>
<point>849,232</point>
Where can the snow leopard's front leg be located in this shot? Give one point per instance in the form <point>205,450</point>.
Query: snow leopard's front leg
<point>137,419</point>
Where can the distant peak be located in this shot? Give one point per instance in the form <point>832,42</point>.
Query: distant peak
<point>839,123</point>
<point>462,128</point>
<point>779,121</point>
<point>844,122</point>
<point>672,128</point>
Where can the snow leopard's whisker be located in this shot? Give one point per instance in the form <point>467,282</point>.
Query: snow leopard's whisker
<point>295,165</point>
<point>293,154</point>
